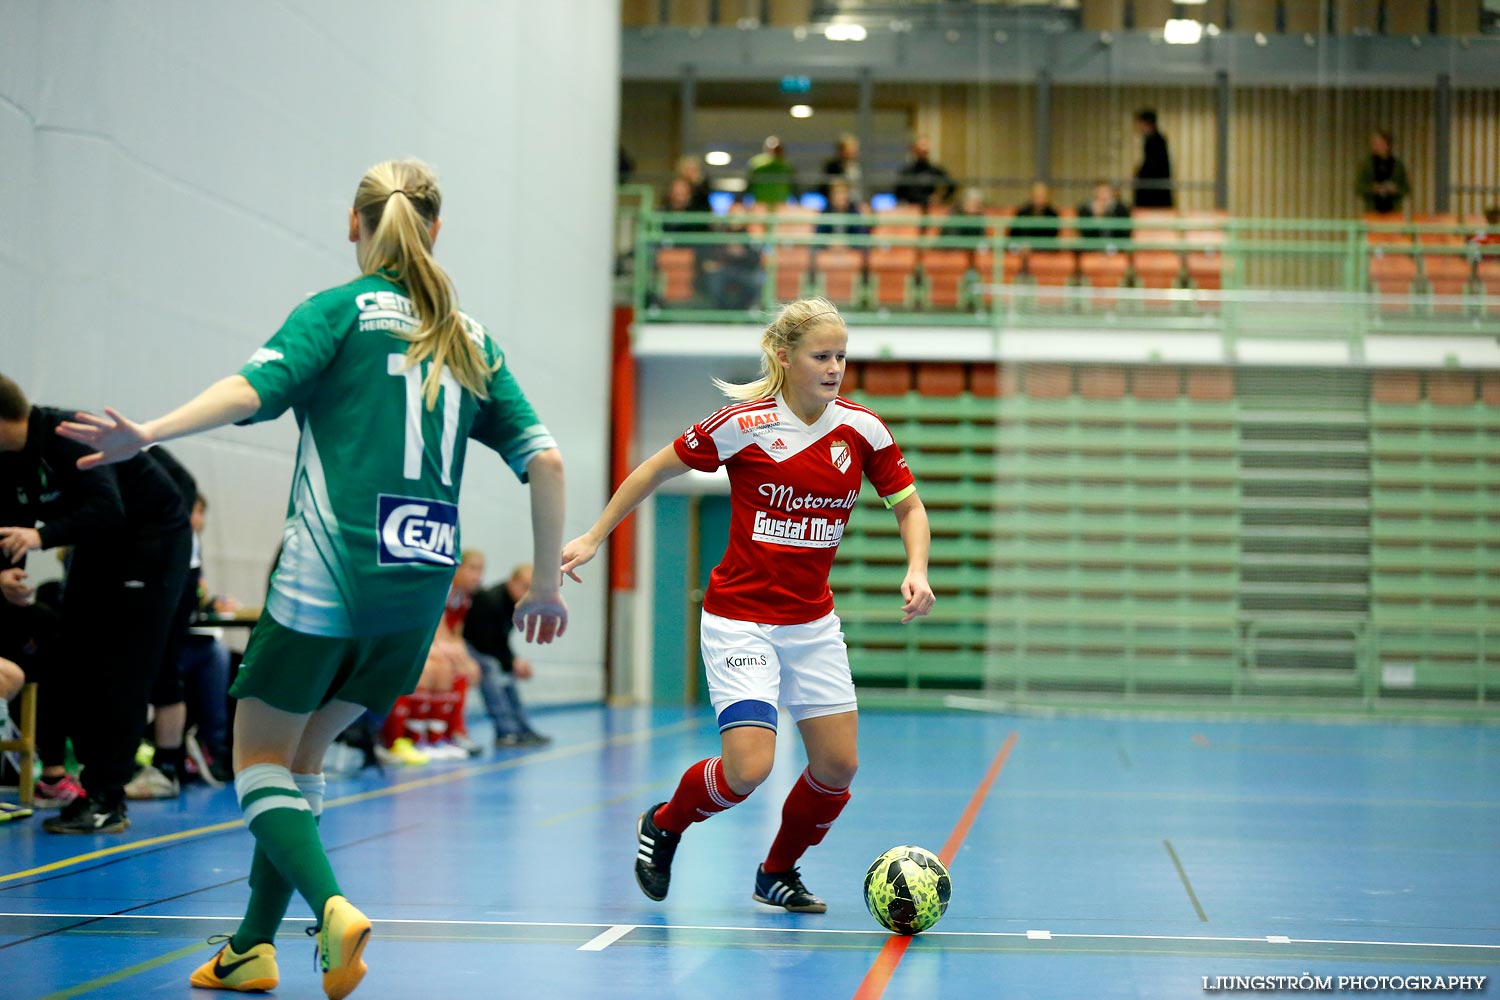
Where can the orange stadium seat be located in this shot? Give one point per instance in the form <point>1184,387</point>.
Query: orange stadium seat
<point>886,378</point>
<point>791,263</point>
<point>984,266</point>
<point>1447,274</point>
<point>674,270</point>
<point>1051,269</point>
<point>1488,272</point>
<point>1392,270</point>
<point>1104,270</point>
<point>943,274</point>
<point>838,273</point>
<point>893,276</point>
<point>940,378</point>
<point>1205,263</point>
<point>1157,269</point>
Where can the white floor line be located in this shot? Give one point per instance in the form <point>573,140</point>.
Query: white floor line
<point>608,938</point>
<point>1052,935</point>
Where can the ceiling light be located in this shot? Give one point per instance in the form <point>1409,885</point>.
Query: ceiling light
<point>1181,31</point>
<point>717,158</point>
<point>845,32</point>
<point>801,111</point>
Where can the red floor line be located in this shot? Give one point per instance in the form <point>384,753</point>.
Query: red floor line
<point>895,947</point>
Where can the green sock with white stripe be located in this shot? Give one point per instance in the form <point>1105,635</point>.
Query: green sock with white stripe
<point>281,810</point>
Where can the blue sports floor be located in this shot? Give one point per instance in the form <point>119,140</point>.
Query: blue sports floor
<point>1110,859</point>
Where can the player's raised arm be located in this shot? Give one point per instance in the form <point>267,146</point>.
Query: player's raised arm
<point>117,438</point>
<point>640,484</point>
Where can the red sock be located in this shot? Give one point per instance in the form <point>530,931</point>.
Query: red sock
<point>456,725</point>
<point>701,793</point>
<point>423,711</point>
<point>395,722</point>
<point>809,811</point>
<point>446,707</point>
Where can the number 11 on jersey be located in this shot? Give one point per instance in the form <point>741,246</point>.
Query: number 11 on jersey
<point>451,399</point>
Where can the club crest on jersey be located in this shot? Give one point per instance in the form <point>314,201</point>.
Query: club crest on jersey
<point>414,530</point>
<point>838,451</point>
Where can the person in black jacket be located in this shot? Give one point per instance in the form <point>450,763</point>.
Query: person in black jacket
<point>1153,178</point>
<point>130,540</point>
<point>487,631</point>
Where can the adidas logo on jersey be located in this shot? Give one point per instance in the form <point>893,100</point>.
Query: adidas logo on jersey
<point>778,445</point>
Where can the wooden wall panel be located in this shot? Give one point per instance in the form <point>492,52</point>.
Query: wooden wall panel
<point>1094,138</point>
<point>1254,15</point>
<point>1476,149</point>
<point>1103,15</point>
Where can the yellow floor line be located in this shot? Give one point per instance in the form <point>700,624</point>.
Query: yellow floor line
<point>122,974</point>
<point>542,757</point>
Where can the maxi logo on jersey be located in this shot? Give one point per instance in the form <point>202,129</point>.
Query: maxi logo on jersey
<point>413,530</point>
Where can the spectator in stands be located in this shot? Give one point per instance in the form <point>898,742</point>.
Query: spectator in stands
<point>690,169</point>
<point>131,543</point>
<point>844,166</point>
<point>488,634</point>
<point>969,218</point>
<point>1382,180</point>
<point>31,637</point>
<point>772,181</point>
<point>1036,218</point>
<point>624,166</point>
<point>732,275</point>
<point>841,202</point>
<point>680,199</point>
<point>922,182</point>
<point>1105,204</point>
<point>1153,178</point>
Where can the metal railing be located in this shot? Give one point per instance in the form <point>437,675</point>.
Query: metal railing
<point>1287,277</point>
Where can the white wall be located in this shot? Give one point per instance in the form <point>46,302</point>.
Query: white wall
<point>177,177</point>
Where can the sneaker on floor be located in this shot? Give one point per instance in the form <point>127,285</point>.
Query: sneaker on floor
<point>342,936</point>
<point>468,746</point>
<point>58,793</point>
<point>403,751</point>
<point>785,889</point>
<point>89,815</point>
<point>150,783</point>
<point>254,971</point>
<point>532,738</point>
<point>444,750</point>
<point>10,811</point>
<point>653,854</point>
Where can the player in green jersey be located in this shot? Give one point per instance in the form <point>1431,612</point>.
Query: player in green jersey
<point>388,381</point>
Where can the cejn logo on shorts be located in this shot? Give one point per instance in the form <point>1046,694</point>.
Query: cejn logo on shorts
<point>414,530</point>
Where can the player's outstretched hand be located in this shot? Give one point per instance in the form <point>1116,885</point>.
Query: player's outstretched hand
<point>541,617</point>
<point>917,594</point>
<point>116,437</point>
<point>577,552</point>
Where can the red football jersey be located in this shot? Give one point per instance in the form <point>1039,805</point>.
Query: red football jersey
<point>792,487</point>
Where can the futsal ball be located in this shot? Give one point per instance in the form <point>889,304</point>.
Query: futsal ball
<point>907,889</point>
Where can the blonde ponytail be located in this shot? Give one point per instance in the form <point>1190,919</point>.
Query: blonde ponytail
<point>398,201</point>
<point>785,333</point>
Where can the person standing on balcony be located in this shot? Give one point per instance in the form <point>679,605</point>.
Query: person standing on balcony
<point>1382,180</point>
<point>1153,178</point>
<point>922,182</point>
<point>772,181</point>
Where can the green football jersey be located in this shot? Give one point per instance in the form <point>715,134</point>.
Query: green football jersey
<point>371,537</point>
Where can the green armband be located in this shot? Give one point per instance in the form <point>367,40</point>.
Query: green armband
<point>897,497</point>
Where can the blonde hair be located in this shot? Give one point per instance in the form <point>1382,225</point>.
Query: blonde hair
<point>785,333</point>
<point>398,201</point>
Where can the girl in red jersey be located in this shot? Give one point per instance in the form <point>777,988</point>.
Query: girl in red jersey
<point>795,452</point>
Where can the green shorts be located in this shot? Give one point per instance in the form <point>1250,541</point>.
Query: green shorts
<point>300,673</point>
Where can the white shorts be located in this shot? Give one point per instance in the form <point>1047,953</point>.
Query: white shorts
<point>752,668</point>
